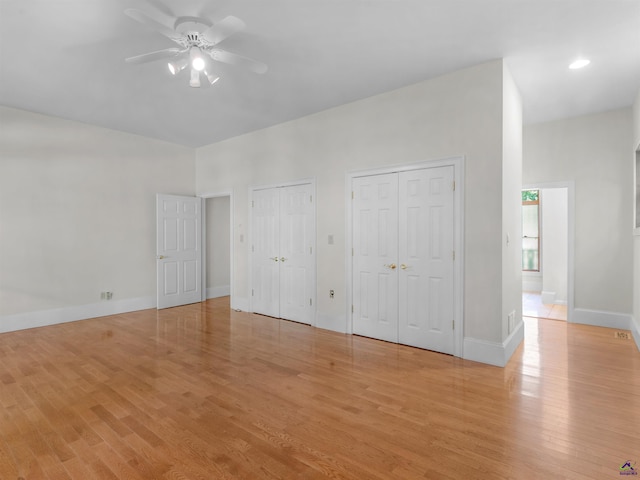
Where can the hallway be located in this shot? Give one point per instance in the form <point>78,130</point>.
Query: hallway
<point>532,306</point>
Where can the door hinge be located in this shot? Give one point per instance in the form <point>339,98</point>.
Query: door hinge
<point>454,185</point>
<point>352,309</point>
<point>311,198</point>
<point>253,204</point>
<point>352,254</point>
<point>352,195</point>
<point>454,255</point>
<point>453,324</point>
<point>252,292</point>
<point>310,250</point>
<point>310,302</point>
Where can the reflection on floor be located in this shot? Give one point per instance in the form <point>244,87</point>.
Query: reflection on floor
<point>532,306</point>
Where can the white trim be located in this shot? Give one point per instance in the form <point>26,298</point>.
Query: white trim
<point>635,332</point>
<point>240,304</point>
<point>548,298</point>
<point>599,318</point>
<point>217,292</point>
<point>221,193</point>
<point>458,163</point>
<point>494,353</point>
<point>304,181</point>
<point>43,318</point>
<point>335,323</point>
<point>636,158</point>
<point>571,235</point>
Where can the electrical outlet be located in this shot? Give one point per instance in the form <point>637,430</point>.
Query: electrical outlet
<point>106,295</point>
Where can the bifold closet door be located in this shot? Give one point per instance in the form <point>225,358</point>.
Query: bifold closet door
<point>403,257</point>
<point>283,233</point>
<point>375,252</point>
<point>265,294</point>
<point>425,253</point>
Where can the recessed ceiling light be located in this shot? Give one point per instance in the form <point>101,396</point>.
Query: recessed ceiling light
<point>580,63</point>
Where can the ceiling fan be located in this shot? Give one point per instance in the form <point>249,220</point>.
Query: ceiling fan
<point>197,40</point>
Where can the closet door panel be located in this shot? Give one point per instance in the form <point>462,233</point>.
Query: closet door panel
<point>297,256</point>
<point>375,249</point>
<point>265,249</point>
<point>425,253</point>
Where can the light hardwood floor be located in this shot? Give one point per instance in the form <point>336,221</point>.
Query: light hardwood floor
<point>202,392</point>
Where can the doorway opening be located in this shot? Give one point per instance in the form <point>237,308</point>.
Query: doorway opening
<point>547,251</point>
<point>217,262</point>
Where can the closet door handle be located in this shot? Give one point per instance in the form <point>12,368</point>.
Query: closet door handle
<point>403,266</point>
<point>275,259</point>
<point>282,259</point>
<point>391,266</point>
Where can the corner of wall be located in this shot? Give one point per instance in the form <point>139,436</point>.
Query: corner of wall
<point>494,353</point>
<point>635,332</point>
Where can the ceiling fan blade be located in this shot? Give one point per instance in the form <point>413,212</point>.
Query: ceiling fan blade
<point>223,29</point>
<point>145,19</point>
<point>237,60</point>
<point>150,57</point>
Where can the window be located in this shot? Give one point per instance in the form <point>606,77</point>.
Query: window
<point>531,230</point>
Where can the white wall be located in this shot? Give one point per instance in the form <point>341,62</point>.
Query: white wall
<point>77,212</point>
<point>555,221</point>
<point>636,238</point>
<point>593,151</point>
<point>218,246</point>
<point>456,114</point>
<point>511,205</point>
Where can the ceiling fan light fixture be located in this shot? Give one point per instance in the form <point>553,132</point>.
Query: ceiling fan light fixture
<point>195,78</point>
<point>197,60</point>
<point>177,66</point>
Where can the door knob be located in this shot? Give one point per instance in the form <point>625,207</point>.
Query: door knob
<point>403,266</point>
<point>282,259</point>
<point>392,266</point>
<point>275,259</point>
<point>160,257</point>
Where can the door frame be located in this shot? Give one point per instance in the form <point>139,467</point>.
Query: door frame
<point>203,269</point>
<point>314,286</point>
<point>570,186</point>
<point>457,163</point>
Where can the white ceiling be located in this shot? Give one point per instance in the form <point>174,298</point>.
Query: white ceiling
<point>66,58</point>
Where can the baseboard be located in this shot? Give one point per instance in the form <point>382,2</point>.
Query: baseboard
<point>43,318</point>
<point>217,292</point>
<point>599,318</point>
<point>548,298</point>
<point>335,323</point>
<point>239,303</point>
<point>493,353</point>
<point>635,332</point>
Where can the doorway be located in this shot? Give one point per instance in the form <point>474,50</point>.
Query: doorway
<point>218,246</point>
<point>547,251</point>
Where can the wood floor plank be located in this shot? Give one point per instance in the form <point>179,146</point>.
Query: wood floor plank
<point>201,392</point>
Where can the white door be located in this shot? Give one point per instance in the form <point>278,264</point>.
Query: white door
<point>265,252</point>
<point>178,250</point>
<point>283,256</point>
<point>426,260</point>
<point>297,261</point>
<point>403,257</point>
<point>375,256</point>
